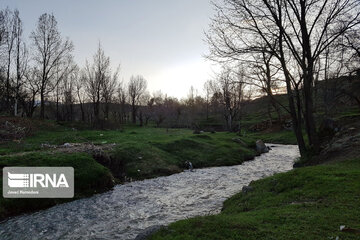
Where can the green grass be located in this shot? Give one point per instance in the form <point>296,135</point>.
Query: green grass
<point>90,178</point>
<point>139,153</point>
<point>305,203</point>
<point>155,152</point>
<point>280,137</point>
<point>147,152</point>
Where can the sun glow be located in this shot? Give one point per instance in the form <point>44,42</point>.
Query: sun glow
<point>177,80</point>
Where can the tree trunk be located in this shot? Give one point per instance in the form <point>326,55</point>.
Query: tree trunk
<point>294,115</point>
<point>133,112</point>
<point>82,112</point>
<point>16,107</point>
<point>42,104</point>
<point>141,119</point>
<point>308,66</point>
<point>106,112</point>
<point>309,111</point>
<point>269,111</point>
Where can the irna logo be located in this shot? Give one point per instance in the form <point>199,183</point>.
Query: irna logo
<point>38,182</point>
<point>18,180</point>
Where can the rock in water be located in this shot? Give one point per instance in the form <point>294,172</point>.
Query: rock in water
<point>67,145</point>
<point>247,189</point>
<point>261,147</point>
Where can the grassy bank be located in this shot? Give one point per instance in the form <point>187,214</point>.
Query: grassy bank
<point>147,152</point>
<point>154,152</point>
<point>136,153</point>
<point>90,178</point>
<point>280,137</point>
<point>306,203</point>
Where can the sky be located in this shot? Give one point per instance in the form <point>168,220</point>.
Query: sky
<point>163,40</point>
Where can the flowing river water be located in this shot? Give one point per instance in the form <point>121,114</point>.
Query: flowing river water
<point>130,208</point>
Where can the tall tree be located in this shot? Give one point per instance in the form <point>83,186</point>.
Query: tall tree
<point>100,82</point>
<point>2,27</point>
<point>21,59</point>
<point>136,88</point>
<point>32,85</point>
<point>50,52</point>
<point>121,99</point>
<point>80,81</point>
<point>229,87</point>
<point>10,37</point>
<point>109,86</point>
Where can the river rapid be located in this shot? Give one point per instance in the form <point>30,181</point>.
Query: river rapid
<point>130,208</point>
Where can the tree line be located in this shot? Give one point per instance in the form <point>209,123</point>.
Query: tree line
<point>265,47</point>
<point>39,78</point>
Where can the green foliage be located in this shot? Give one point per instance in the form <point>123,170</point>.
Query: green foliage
<point>139,152</point>
<point>156,152</point>
<point>305,203</point>
<point>148,152</point>
<point>280,137</point>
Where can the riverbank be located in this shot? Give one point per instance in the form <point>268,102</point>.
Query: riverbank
<point>102,158</point>
<point>90,178</point>
<point>305,203</point>
<point>128,209</point>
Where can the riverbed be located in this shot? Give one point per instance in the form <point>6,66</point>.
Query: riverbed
<point>130,208</point>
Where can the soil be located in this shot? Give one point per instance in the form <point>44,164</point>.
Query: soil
<point>344,145</point>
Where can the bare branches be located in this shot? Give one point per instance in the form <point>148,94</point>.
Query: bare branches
<point>100,82</point>
<point>50,52</point>
<point>136,88</point>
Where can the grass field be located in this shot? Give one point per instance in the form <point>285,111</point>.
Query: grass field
<point>153,151</point>
<point>142,153</point>
<point>305,203</point>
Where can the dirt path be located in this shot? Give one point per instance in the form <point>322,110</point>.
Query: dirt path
<point>70,148</point>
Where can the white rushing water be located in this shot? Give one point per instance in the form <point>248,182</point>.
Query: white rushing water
<point>130,208</point>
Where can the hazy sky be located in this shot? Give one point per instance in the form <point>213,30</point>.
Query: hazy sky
<point>159,39</point>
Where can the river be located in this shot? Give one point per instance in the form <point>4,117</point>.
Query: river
<point>130,208</point>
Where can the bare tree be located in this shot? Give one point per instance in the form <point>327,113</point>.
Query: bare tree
<point>79,82</point>
<point>50,51</point>
<point>207,89</point>
<point>229,87</point>
<point>32,86</point>
<point>298,28</point>
<point>143,113</point>
<point>136,88</point>
<point>353,42</point>
<point>156,104</point>
<point>95,78</point>
<point>67,86</point>
<point>121,99</point>
<point>100,83</point>
<point>10,37</point>
<point>263,73</point>
<point>109,86</point>
<point>21,59</point>
<point>2,27</point>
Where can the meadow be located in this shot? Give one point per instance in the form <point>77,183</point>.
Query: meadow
<point>305,203</point>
